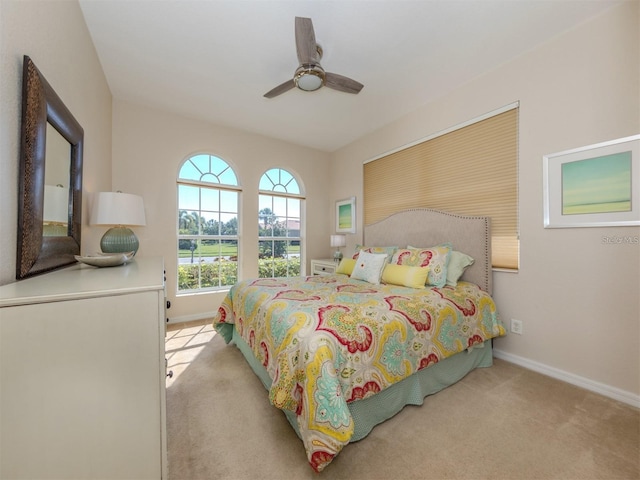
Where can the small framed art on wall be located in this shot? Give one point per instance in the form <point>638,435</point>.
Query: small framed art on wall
<point>346,215</point>
<point>593,186</point>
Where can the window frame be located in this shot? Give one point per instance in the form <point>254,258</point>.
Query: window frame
<point>200,237</point>
<point>286,196</point>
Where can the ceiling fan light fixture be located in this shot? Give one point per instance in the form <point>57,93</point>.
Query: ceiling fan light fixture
<point>309,77</point>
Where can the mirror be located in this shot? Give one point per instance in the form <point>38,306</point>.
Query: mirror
<point>55,217</point>
<point>50,186</point>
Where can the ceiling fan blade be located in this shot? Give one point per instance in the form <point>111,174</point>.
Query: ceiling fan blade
<point>342,83</point>
<point>288,85</point>
<point>306,42</point>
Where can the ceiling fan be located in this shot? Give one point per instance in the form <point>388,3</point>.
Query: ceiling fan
<point>310,76</point>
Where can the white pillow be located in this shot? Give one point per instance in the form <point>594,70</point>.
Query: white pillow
<point>369,267</point>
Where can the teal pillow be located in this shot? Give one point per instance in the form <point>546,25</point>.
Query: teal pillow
<point>458,262</point>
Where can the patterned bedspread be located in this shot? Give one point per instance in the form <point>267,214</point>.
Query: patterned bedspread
<point>329,340</point>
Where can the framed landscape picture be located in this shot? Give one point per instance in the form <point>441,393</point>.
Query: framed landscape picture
<point>593,186</point>
<point>346,215</point>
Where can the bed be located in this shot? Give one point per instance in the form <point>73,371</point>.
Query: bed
<point>342,353</point>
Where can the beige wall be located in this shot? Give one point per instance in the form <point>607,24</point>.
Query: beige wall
<point>148,148</point>
<point>55,36</point>
<point>577,297</point>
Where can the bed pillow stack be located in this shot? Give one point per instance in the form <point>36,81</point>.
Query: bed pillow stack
<point>439,265</point>
<point>436,258</point>
<point>458,263</point>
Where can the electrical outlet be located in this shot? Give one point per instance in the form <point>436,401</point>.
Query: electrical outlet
<point>516,326</point>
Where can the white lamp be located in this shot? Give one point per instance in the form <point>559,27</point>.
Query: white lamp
<point>56,204</point>
<point>55,216</point>
<point>118,210</point>
<point>338,241</point>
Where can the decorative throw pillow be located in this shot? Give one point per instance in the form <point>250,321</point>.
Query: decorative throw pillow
<point>369,267</point>
<point>405,276</point>
<point>346,266</point>
<point>389,251</point>
<point>436,258</point>
<point>458,262</point>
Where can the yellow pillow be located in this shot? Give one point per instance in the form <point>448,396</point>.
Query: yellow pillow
<point>404,275</point>
<point>346,266</point>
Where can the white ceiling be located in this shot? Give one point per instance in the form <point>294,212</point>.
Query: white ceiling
<point>214,59</point>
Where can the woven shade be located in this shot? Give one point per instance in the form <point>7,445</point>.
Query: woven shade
<point>471,171</point>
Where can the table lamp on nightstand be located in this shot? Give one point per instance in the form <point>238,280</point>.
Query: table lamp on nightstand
<point>119,211</point>
<point>338,241</point>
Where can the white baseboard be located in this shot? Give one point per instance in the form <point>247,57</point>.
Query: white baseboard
<point>192,318</point>
<point>597,387</point>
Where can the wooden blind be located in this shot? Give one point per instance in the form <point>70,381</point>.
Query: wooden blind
<point>471,171</point>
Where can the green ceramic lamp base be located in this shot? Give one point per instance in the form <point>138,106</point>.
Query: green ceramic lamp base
<point>119,240</point>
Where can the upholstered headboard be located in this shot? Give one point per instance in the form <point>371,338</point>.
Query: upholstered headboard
<point>423,227</point>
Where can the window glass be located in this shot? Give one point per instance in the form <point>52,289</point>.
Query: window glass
<point>280,244</point>
<point>208,199</point>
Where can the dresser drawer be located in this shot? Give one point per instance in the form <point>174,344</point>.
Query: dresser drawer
<point>323,267</point>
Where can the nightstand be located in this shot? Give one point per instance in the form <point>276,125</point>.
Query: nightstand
<point>325,266</point>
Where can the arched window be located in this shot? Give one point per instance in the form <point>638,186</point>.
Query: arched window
<point>280,204</point>
<point>208,195</point>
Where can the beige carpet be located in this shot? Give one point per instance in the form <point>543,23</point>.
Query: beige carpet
<point>502,422</point>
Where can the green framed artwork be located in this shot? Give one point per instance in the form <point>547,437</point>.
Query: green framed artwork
<point>593,186</point>
<point>346,215</point>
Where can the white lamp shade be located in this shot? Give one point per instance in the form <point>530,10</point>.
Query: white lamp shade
<point>56,204</point>
<point>338,240</point>
<point>117,208</point>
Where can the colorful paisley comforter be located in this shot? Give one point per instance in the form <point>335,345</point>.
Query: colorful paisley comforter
<point>329,340</point>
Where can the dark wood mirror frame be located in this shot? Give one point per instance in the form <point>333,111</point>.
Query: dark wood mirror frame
<point>41,105</point>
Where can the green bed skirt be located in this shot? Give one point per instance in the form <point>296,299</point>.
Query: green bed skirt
<point>376,409</point>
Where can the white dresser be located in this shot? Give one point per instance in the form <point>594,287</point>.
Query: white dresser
<point>82,374</point>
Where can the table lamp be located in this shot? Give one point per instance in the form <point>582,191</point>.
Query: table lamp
<point>120,211</point>
<point>338,241</point>
<point>55,216</point>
